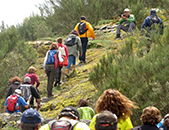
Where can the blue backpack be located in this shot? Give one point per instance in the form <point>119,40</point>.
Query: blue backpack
<point>51,59</point>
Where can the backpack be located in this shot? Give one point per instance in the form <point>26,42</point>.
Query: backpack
<point>82,28</point>
<point>62,124</point>
<point>51,59</point>
<point>70,41</point>
<point>62,51</point>
<point>26,91</point>
<point>154,20</point>
<point>11,103</point>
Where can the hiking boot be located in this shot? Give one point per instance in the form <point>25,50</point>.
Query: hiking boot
<point>73,67</point>
<point>56,83</point>
<point>117,37</point>
<point>67,72</point>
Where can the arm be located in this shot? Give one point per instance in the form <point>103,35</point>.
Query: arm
<point>60,57</point>
<point>37,80</point>
<point>23,102</point>
<point>79,45</point>
<point>9,92</point>
<point>131,18</point>
<point>5,108</point>
<point>121,21</point>
<point>46,57</point>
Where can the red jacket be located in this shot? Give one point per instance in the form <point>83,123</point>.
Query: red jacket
<point>61,45</point>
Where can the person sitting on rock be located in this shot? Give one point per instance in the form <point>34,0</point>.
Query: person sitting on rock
<point>68,119</point>
<point>84,110</point>
<point>15,84</point>
<point>106,121</point>
<point>127,23</point>
<point>150,118</point>
<point>13,102</point>
<point>30,120</point>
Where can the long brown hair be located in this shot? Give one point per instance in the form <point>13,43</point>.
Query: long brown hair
<point>14,79</point>
<point>117,103</point>
<point>53,46</point>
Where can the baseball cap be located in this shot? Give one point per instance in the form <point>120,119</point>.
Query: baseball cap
<point>18,91</point>
<point>27,80</point>
<point>126,10</point>
<point>31,116</point>
<point>153,11</point>
<point>106,120</point>
<point>69,111</point>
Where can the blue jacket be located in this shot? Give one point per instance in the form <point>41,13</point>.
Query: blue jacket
<point>147,22</point>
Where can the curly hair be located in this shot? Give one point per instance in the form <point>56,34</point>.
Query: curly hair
<point>166,121</point>
<point>151,115</point>
<point>53,46</point>
<point>115,102</point>
<point>32,70</point>
<point>82,103</point>
<point>14,79</point>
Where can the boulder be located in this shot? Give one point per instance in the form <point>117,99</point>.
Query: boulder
<point>104,27</point>
<point>47,42</point>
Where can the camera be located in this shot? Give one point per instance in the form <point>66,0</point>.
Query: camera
<point>124,15</point>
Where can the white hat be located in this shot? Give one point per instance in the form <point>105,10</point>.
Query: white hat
<point>18,91</point>
<point>27,80</point>
<point>126,10</point>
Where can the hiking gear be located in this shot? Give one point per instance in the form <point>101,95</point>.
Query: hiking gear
<point>154,20</point>
<point>71,40</point>
<point>64,63</point>
<point>84,49</point>
<point>11,103</point>
<point>62,51</point>
<point>65,49</point>
<point>26,91</point>
<point>27,80</point>
<point>117,37</point>
<point>67,72</point>
<point>74,67</point>
<point>106,120</point>
<point>126,10</point>
<point>82,28</point>
<point>62,124</point>
<point>31,116</point>
<point>51,59</point>
<point>56,61</point>
<point>18,91</point>
<point>131,19</point>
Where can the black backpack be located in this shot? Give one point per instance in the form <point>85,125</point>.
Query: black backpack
<point>82,28</point>
<point>154,20</point>
<point>70,41</point>
<point>62,124</point>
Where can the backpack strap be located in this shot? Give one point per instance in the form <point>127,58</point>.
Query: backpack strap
<point>73,123</point>
<point>51,123</point>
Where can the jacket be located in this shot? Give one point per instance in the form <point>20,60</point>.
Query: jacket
<point>61,45</point>
<point>131,19</point>
<point>147,22</point>
<point>89,32</point>
<point>12,88</point>
<point>146,127</point>
<point>73,50</point>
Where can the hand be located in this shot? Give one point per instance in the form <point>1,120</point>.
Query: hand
<point>39,106</point>
<point>80,54</point>
<point>45,71</point>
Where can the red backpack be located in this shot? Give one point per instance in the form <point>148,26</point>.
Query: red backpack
<point>12,101</point>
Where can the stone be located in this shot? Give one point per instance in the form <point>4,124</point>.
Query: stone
<point>47,42</point>
<point>99,45</point>
<point>104,27</point>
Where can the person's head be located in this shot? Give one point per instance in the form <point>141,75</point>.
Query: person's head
<point>115,102</point>
<point>82,18</point>
<point>69,112</point>
<point>151,115</point>
<point>14,79</point>
<point>127,12</point>
<point>106,121</point>
<point>18,92</point>
<point>32,70</point>
<point>30,120</point>
<point>27,80</point>
<point>166,121</point>
<point>82,103</point>
<point>60,40</point>
<point>153,12</point>
<point>53,46</point>
<point>74,32</point>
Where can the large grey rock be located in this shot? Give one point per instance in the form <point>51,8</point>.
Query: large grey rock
<point>104,27</point>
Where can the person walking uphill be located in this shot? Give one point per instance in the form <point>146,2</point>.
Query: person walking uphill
<point>50,66</point>
<point>73,44</point>
<point>85,30</point>
<point>128,20</point>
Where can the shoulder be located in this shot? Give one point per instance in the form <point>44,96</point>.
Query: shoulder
<point>81,126</point>
<point>137,128</point>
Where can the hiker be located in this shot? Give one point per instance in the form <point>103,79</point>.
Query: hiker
<point>165,124</point>
<point>85,112</point>
<point>153,19</point>
<point>106,121</point>
<point>51,65</point>
<point>64,53</point>
<point>13,102</point>
<point>28,91</point>
<point>85,30</point>
<point>15,84</point>
<point>73,44</point>
<point>30,120</point>
<point>150,118</point>
<point>34,78</point>
<point>68,119</point>
<point>117,103</point>
<point>127,23</point>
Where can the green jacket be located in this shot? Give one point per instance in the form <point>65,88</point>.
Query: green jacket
<point>86,113</point>
<point>73,50</point>
<point>130,20</point>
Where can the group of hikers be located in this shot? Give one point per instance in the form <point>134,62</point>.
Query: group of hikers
<point>113,109</point>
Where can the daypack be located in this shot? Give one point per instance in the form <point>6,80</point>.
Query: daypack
<point>82,28</point>
<point>154,20</point>
<point>51,59</point>
<point>62,124</point>
<point>70,41</point>
<point>26,91</point>
<point>62,51</point>
<point>11,103</point>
